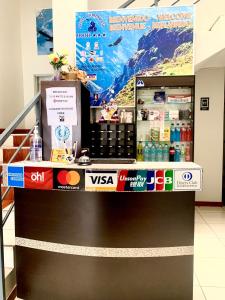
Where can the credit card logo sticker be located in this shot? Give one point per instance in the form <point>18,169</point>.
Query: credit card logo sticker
<point>66,179</point>
<point>100,180</point>
<point>15,176</point>
<point>187,181</point>
<point>38,178</point>
<point>187,176</point>
<point>132,180</point>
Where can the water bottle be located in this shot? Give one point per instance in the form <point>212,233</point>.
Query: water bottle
<point>165,153</point>
<point>146,152</point>
<point>177,154</point>
<point>182,153</point>
<point>177,133</point>
<point>159,154</point>
<point>172,133</point>
<point>36,146</point>
<point>152,153</point>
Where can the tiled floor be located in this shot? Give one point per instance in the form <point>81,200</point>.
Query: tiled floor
<point>209,266</point>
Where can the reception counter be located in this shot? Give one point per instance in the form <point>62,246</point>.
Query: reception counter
<point>104,232</point>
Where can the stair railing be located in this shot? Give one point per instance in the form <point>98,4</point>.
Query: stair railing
<point>36,104</point>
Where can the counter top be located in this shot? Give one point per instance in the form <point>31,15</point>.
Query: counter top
<point>134,166</point>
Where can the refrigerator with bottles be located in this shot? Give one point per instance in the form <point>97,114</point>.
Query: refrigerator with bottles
<point>165,118</point>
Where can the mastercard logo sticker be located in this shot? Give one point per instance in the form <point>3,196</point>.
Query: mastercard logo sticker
<point>68,177</point>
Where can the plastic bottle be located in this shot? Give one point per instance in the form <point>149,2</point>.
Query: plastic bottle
<point>146,152</point>
<point>172,133</point>
<point>140,151</point>
<point>171,153</point>
<point>182,153</point>
<point>183,133</point>
<point>188,153</point>
<point>152,153</point>
<point>159,153</point>
<point>177,133</point>
<point>177,154</point>
<point>189,133</point>
<point>36,146</point>
<point>165,153</point>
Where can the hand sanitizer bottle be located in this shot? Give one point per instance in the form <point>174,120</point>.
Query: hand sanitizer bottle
<point>36,146</point>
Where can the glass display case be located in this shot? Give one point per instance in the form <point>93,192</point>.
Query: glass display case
<point>165,118</point>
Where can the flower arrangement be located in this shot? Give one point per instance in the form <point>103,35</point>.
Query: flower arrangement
<point>58,60</point>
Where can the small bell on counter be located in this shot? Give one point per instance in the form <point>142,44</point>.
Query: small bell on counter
<point>84,159</point>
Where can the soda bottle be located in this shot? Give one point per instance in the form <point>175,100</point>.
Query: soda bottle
<point>146,152</point>
<point>177,133</point>
<point>152,153</point>
<point>140,151</point>
<point>183,133</point>
<point>165,153</point>
<point>189,133</point>
<point>172,133</point>
<point>182,153</point>
<point>171,153</point>
<point>188,153</point>
<point>177,154</point>
<point>159,154</point>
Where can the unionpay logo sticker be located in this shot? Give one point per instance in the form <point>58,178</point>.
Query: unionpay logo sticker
<point>100,180</point>
<point>16,176</point>
<point>187,180</point>
<point>133,180</point>
<point>38,178</point>
<point>68,179</point>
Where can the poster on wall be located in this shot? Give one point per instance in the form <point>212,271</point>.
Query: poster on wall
<point>44,28</point>
<point>114,46</point>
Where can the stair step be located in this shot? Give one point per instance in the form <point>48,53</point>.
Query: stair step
<point>8,153</point>
<point>18,139</point>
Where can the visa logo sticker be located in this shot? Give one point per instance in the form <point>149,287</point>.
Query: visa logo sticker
<point>100,180</point>
<point>16,176</point>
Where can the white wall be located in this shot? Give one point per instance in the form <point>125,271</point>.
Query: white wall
<point>33,64</point>
<point>64,24</point>
<point>11,91</point>
<point>209,126</point>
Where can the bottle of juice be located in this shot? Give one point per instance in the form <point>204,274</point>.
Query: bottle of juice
<point>183,133</point>
<point>140,156</point>
<point>188,153</point>
<point>189,133</point>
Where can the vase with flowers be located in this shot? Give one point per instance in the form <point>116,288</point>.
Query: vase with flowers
<point>57,60</point>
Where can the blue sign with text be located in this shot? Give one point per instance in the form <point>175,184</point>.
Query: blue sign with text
<point>16,176</point>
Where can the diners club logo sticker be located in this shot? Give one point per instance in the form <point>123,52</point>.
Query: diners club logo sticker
<point>68,179</point>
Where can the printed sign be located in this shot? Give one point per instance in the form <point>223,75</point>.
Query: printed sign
<point>38,178</point>
<point>100,180</point>
<point>68,179</point>
<point>61,106</point>
<point>162,45</point>
<point>187,180</point>
<point>16,176</point>
<point>133,180</point>
<point>204,103</point>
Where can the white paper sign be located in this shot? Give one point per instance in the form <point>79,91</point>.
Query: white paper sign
<point>187,180</point>
<point>61,106</point>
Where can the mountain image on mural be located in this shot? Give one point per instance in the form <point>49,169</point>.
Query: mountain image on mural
<point>162,52</point>
<point>113,57</point>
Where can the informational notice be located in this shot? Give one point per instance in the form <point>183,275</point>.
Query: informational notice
<point>61,106</point>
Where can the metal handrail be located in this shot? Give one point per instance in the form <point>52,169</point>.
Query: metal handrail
<point>9,130</point>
